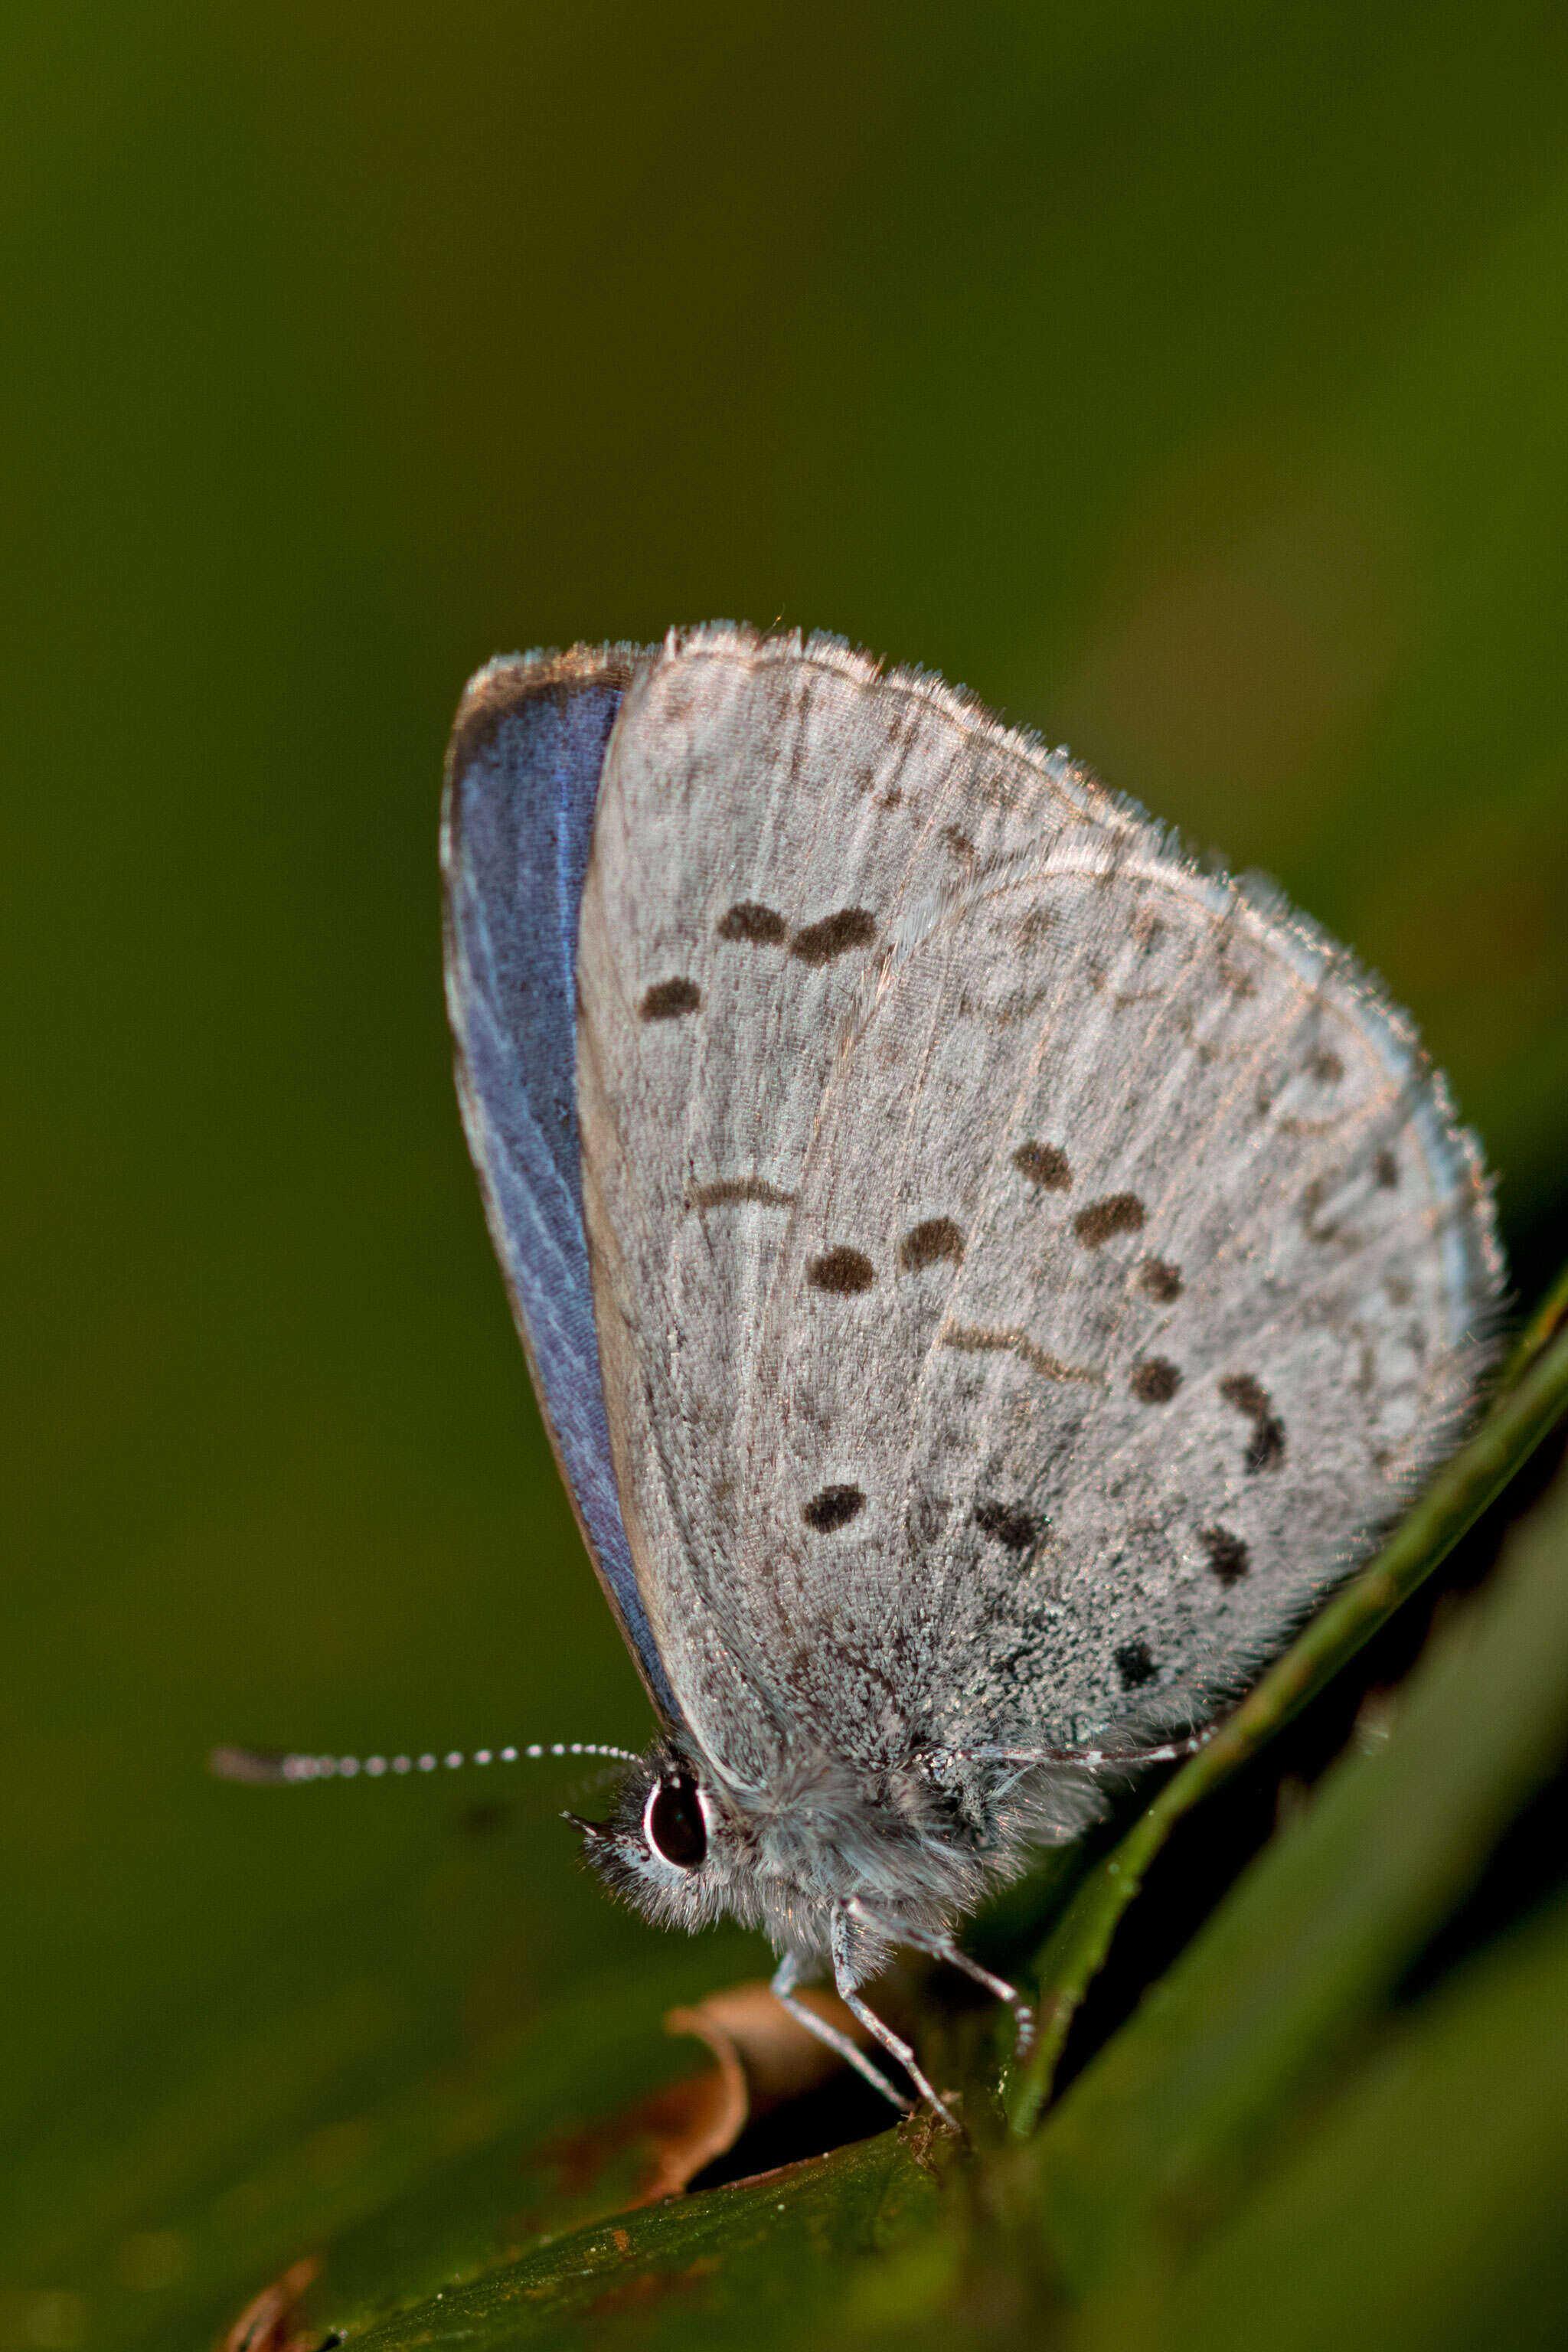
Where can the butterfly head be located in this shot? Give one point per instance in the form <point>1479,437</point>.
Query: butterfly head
<point>673,1846</point>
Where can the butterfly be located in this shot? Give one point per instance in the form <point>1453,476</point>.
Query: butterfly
<point>985,1274</point>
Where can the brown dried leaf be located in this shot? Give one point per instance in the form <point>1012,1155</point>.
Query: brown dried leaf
<point>265,2325</point>
<point>763,2056</point>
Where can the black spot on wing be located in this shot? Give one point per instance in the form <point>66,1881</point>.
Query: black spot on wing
<point>1159,1279</point>
<point>1324,1065</point>
<point>1155,1380</point>
<point>923,1244</point>
<point>668,999</point>
<point>759,926</point>
<point>1119,1213</point>
<point>1228,1556</point>
<point>851,926</point>
<point>1135,1663</point>
<point>834,1507</point>
<point>1265,1447</point>
<point>1045,1165</point>
<point>1012,1527</point>
<point>1385,1170</point>
<point>842,1271</point>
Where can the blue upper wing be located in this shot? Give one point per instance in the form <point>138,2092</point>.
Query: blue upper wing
<point>522,779</point>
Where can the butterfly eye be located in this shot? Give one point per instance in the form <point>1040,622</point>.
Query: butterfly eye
<point>673,1823</point>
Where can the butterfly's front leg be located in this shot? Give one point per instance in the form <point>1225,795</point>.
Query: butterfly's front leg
<point>786,1976</point>
<point>846,1976</point>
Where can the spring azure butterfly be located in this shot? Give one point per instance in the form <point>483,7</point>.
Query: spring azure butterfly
<point>986,1275</point>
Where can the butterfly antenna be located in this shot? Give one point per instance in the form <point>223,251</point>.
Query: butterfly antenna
<point>262,1764</point>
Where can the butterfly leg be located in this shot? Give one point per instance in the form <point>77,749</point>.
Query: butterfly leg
<point>786,1976</point>
<point>846,1976</point>
<point>942,1947</point>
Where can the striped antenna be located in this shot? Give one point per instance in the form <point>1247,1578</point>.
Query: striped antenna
<point>260,1764</point>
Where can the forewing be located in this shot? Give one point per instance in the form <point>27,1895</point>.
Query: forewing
<point>523,781</point>
<point>1027,1267</point>
<point>766,811</point>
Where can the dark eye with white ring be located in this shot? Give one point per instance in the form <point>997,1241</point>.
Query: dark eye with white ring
<point>674,1823</point>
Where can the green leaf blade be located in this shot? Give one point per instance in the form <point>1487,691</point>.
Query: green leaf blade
<point>1474,1478</point>
<point>1164,2129</point>
<point>1423,2210</point>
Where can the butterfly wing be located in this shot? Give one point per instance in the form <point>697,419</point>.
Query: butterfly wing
<point>1180,1266</point>
<point>765,810</point>
<point>1026,1267</point>
<point>522,779</point>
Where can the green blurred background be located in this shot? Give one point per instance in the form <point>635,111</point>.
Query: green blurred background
<point>1190,380</point>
